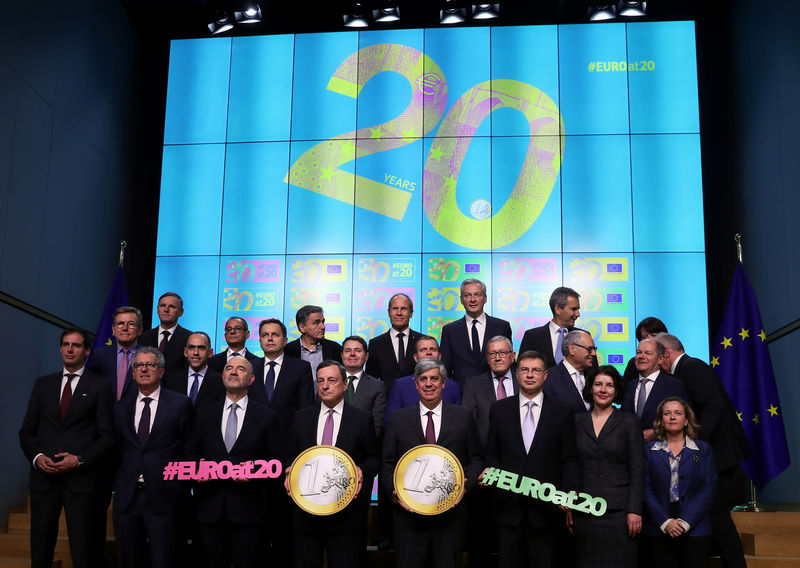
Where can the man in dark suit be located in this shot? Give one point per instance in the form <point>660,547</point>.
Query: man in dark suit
<point>565,305</point>
<point>312,346</point>
<point>169,337</point>
<point>532,434</point>
<point>363,391</point>
<point>647,328</point>
<point>151,430</point>
<point>113,362</point>
<point>566,380</point>
<point>391,354</point>
<point>340,538</point>
<point>236,334</point>
<point>199,382</point>
<point>463,342</point>
<point>439,537</point>
<point>233,514</point>
<point>719,427</point>
<point>652,387</point>
<point>66,432</point>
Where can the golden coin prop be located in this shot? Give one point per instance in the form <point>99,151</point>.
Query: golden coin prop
<point>429,479</point>
<point>323,480</point>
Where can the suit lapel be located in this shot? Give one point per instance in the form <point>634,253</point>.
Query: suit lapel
<point>613,421</point>
<point>584,422</point>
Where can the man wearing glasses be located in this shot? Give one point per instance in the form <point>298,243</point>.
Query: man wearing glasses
<point>566,379</point>
<point>113,362</point>
<point>236,333</point>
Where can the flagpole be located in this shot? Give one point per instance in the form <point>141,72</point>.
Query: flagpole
<point>123,245</point>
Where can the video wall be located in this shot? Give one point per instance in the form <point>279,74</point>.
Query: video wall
<point>339,168</point>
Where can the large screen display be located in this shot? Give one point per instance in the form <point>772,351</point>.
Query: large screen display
<point>339,168</point>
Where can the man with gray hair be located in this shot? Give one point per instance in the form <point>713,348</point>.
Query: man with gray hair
<point>312,346</point>
<point>547,340</point>
<point>567,379</point>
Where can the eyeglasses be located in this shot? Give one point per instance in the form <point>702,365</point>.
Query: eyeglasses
<point>149,364</point>
<point>234,329</point>
<point>501,354</point>
<point>527,371</point>
<point>590,349</point>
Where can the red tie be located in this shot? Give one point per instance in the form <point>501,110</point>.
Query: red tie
<point>430,432</point>
<point>66,395</point>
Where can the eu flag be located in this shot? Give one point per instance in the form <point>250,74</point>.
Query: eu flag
<point>741,359</point>
<point>118,296</point>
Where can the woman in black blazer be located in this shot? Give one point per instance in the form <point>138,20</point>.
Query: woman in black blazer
<point>609,444</point>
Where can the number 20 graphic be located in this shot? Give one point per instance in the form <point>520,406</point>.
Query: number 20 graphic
<point>318,170</point>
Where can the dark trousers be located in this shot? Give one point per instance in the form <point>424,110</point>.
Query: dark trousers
<point>242,544</point>
<point>682,552</point>
<point>526,546</point>
<point>726,536</point>
<point>436,540</point>
<point>143,535</point>
<point>340,538</point>
<point>45,512</point>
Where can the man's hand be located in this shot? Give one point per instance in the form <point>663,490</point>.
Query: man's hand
<point>360,482</point>
<point>287,471</point>
<point>568,513</point>
<point>649,435</point>
<point>67,462</point>
<point>397,500</point>
<point>46,465</point>
<point>480,477</point>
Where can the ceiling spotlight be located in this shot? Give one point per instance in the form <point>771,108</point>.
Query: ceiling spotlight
<point>451,13</point>
<point>631,9</point>
<point>357,17</point>
<point>600,12</point>
<point>222,23</point>
<point>485,10</point>
<point>250,15</point>
<point>387,14</point>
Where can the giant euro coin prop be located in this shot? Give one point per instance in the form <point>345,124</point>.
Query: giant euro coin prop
<point>323,480</point>
<point>429,479</point>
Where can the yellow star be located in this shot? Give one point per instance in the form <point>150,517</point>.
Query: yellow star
<point>763,335</point>
<point>714,361</point>
<point>410,133</point>
<point>347,149</point>
<point>437,153</point>
<point>755,419</point>
<point>326,173</point>
<point>726,342</point>
<point>773,410</point>
<point>376,132</point>
<point>739,416</point>
<point>745,333</point>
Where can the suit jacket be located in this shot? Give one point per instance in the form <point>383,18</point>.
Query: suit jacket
<point>665,386</point>
<point>103,362</point>
<point>330,349</point>
<point>211,389</point>
<point>719,425</point>
<point>86,430</point>
<point>217,362</point>
<point>538,339</point>
<point>552,458</point>
<point>382,363</point>
<point>456,352</point>
<point>371,397</point>
<point>219,499</point>
<point>173,353</point>
<point>559,384</point>
<point>479,395</point>
<point>166,442</point>
<point>404,393</point>
<point>612,463</point>
<point>698,477</point>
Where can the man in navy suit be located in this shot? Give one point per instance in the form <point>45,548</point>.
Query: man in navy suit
<point>566,380</point>
<point>151,430</point>
<point>169,337</point>
<point>565,305</point>
<point>113,362</point>
<point>236,334</point>
<point>391,354</point>
<point>341,537</point>
<point>312,346</point>
<point>363,391</point>
<point>199,382</point>
<point>464,340</point>
<point>653,386</point>
<point>66,433</point>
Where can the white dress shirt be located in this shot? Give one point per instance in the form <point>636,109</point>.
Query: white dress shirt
<point>436,417</point>
<point>536,410</point>
<point>226,410</point>
<point>137,415</point>
<point>648,387</point>
<point>323,417</point>
<point>481,319</point>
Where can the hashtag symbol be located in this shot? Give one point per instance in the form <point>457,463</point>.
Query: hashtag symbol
<point>491,475</point>
<point>591,66</point>
<point>170,471</point>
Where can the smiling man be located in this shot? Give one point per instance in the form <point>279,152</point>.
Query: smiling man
<point>237,332</point>
<point>363,391</point>
<point>547,340</point>
<point>202,384</point>
<point>566,380</point>
<point>312,346</point>
<point>391,354</point>
<point>168,337</point>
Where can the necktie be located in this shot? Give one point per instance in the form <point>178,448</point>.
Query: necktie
<point>269,380</point>
<point>122,371</point>
<point>66,395</point>
<point>476,342</point>
<point>430,431</point>
<point>501,388</point>
<point>236,354</point>
<point>230,428</point>
<point>163,345</point>
<point>580,381</point>
<point>401,348</point>
<point>144,421</point>
<point>528,426</point>
<point>327,430</point>
<point>641,398</point>
<point>559,342</point>
<point>351,387</point>
<point>195,387</point>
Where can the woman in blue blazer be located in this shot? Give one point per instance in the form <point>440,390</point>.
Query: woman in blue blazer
<point>679,477</point>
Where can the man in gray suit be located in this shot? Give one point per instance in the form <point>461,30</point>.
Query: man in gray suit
<point>363,391</point>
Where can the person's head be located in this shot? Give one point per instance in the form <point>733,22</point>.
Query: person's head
<point>127,325</point>
<point>578,349</point>
<point>311,323</point>
<point>426,348</point>
<point>354,353</point>
<point>473,296</point>
<point>603,386</point>
<point>331,382</point>
<point>75,347</point>
<point>499,354</point>
<point>673,348</point>
<point>272,336</point>
<point>649,354</point>
<point>429,378</point>
<point>169,309</point>
<point>565,305</point>
<point>236,333</point>
<point>674,416</point>
<point>649,327</point>
<point>237,376</point>
<point>148,368</point>
<point>198,350</point>
<point>531,373</point>
<point>401,308</point>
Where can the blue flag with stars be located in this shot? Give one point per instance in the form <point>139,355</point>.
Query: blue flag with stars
<point>741,359</point>
<point>118,296</point>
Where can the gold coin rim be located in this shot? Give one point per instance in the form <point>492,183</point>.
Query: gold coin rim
<point>407,459</point>
<point>294,478</point>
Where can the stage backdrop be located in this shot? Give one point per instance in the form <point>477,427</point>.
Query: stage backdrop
<point>339,168</point>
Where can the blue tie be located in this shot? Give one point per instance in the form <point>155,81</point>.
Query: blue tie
<point>559,355</point>
<point>269,380</point>
<point>195,387</point>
